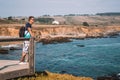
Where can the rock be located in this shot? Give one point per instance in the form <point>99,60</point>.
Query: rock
<point>15,48</point>
<point>54,40</point>
<point>12,47</point>
<point>112,77</point>
<point>4,51</point>
<point>44,73</point>
<point>106,78</point>
<point>81,45</point>
<point>118,75</point>
<point>63,72</point>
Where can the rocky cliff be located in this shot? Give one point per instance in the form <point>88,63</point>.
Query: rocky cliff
<point>48,32</point>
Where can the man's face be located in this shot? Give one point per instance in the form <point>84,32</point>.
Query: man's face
<point>32,20</point>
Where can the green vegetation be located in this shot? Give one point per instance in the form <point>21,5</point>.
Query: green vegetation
<point>109,14</point>
<point>85,24</point>
<point>11,20</point>
<point>44,20</point>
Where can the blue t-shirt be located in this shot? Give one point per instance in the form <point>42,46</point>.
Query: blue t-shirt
<point>27,34</point>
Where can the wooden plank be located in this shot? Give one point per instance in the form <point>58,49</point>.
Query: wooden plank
<point>31,57</point>
<point>14,74</point>
<point>11,65</point>
<point>13,39</point>
<point>10,43</point>
<point>11,69</point>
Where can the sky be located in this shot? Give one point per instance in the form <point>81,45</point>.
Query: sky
<point>56,7</point>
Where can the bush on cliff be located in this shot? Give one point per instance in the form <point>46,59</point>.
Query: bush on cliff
<point>85,24</point>
<point>45,20</point>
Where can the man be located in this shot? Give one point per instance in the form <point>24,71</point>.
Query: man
<point>28,34</point>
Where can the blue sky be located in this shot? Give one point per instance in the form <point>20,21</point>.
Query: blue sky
<point>56,7</point>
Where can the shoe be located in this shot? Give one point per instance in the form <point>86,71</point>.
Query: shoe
<point>22,63</point>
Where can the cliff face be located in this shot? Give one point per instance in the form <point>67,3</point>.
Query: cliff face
<point>76,31</point>
<point>8,31</point>
<point>63,31</point>
<point>81,32</point>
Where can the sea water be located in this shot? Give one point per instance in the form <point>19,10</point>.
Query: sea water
<point>89,57</point>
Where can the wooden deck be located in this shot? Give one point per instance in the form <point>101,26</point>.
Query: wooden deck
<point>11,68</point>
<point>11,65</point>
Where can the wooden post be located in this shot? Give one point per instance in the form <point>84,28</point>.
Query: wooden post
<point>31,57</point>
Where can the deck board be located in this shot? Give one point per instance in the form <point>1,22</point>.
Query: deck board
<point>11,65</point>
<point>12,68</point>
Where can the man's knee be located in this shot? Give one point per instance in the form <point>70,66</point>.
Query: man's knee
<point>23,54</point>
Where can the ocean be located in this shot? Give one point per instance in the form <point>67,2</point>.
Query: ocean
<point>91,57</point>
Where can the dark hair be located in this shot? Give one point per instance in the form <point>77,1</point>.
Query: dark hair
<point>30,17</point>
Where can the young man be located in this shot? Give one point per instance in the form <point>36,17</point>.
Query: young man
<point>28,34</point>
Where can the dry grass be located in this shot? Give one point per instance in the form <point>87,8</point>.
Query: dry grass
<point>53,76</point>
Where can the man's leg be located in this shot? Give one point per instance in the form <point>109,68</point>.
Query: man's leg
<point>23,57</point>
<point>25,51</point>
<point>26,57</point>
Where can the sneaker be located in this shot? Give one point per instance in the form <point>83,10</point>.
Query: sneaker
<point>22,63</point>
<point>26,61</point>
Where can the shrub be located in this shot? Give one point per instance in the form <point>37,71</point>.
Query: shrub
<point>85,24</point>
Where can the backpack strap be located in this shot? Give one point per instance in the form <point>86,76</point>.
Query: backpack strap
<point>25,31</point>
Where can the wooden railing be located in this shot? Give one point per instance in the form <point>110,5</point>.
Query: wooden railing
<point>19,73</point>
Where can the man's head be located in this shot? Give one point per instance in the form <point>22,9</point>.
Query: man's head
<point>31,19</point>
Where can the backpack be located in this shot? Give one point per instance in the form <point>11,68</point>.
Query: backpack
<point>22,31</point>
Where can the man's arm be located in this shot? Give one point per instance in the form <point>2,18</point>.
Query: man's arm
<point>30,31</point>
